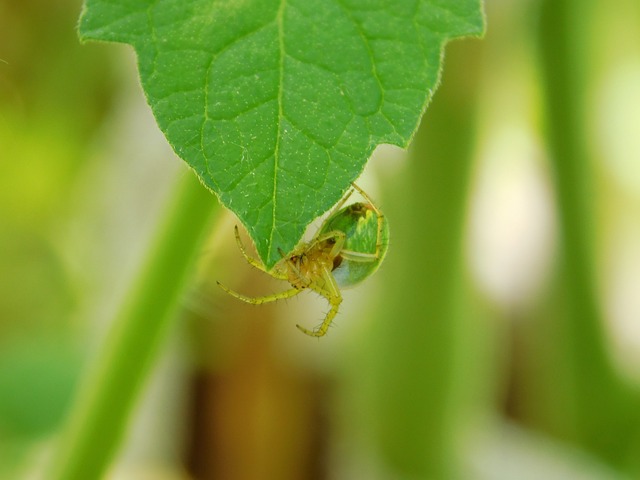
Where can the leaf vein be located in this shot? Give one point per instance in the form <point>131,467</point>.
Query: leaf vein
<point>280,21</point>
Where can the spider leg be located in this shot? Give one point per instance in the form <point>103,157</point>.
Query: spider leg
<point>339,237</point>
<point>331,292</point>
<point>321,331</point>
<point>252,261</point>
<point>359,256</point>
<point>260,300</point>
<point>336,207</point>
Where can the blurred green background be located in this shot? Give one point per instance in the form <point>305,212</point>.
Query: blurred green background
<point>500,339</point>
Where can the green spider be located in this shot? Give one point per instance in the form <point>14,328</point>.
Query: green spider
<point>348,247</point>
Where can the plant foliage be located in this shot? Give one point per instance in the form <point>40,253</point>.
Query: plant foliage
<point>278,104</point>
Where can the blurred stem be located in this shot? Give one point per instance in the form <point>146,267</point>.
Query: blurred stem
<point>598,402</point>
<point>101,413</point>
<point>420,339</point>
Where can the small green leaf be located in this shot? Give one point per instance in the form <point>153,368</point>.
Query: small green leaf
<point>278,104</point>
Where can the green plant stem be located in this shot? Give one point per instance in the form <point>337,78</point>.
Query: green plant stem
<point>598,403</point>
<point>417,343</point>
<point>101,413</point>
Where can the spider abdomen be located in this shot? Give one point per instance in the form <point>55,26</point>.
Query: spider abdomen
<point>365,244</point>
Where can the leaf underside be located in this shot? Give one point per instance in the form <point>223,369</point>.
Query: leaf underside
<point>278,104</point>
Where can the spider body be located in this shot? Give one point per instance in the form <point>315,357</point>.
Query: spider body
<point>348,247</point>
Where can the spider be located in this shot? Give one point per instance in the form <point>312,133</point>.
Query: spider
<point>347,248</point>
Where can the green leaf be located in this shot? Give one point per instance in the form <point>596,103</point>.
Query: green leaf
<point>278,104</point>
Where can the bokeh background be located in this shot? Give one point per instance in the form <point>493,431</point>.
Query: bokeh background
<point>500,339</point>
